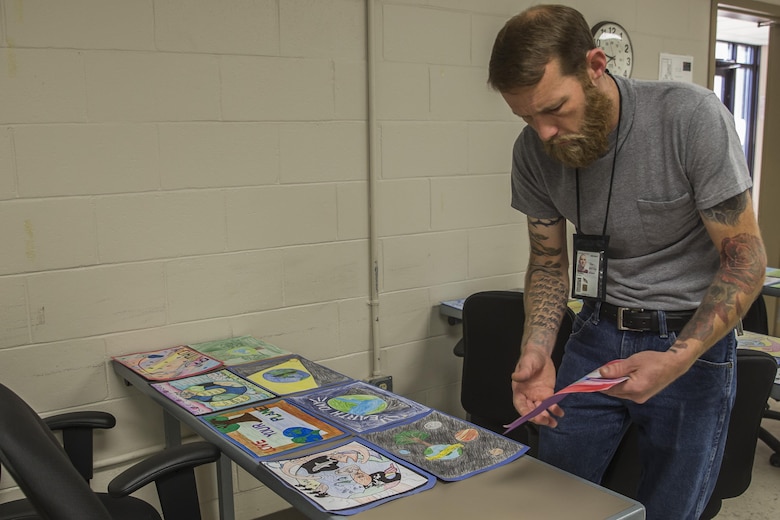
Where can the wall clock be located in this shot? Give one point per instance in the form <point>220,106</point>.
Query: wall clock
<point>613,39</point>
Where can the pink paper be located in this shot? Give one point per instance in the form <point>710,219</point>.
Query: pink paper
<point>590,383</point>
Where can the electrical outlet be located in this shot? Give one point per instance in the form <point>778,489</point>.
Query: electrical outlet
<point>383,382</point>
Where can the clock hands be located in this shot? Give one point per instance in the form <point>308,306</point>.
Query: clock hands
<point>612,37</point>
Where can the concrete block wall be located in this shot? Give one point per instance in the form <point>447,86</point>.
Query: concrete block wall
<point>176,171</point>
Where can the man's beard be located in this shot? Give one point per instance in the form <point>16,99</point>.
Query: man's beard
<point>582,149</point>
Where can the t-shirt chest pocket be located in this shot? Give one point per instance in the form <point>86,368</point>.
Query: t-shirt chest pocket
<point>666,222</point>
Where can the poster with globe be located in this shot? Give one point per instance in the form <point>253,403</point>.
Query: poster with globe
<point>447,447</point>
<point>349,478</point>
<point>272,428</point>
<point>289,374</point>
<point>360,407</point>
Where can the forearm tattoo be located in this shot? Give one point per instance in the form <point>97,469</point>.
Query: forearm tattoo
<point>741,271</point>
<point>545,279</point>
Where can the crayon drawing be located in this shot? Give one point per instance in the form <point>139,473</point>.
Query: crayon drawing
<point>447,447</point>
<point>272,428</point>
<point>289,374</point>
<point>755,341</point>
<point>236,351</point>
<point>211,392</point>
<point>349,478</point>
<point>169,363</point>
<point>359,406</point>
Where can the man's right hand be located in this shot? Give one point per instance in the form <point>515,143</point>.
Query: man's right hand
<point>533,381</point>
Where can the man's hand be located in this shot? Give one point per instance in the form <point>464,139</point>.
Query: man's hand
<point>648,373</point>
<point>532,382</point>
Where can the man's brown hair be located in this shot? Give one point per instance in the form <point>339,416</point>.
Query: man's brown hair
<point>529,40</point>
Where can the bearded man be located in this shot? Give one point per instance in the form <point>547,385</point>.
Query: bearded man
<point>654,180</point>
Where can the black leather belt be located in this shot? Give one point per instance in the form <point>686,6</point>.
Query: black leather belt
<point>643,320</point>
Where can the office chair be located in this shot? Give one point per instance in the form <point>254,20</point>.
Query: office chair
<point>77,440</point>
<point>56,490</point>
<point>492,333</point>
<point>755,376</point>
<point>756,320</point>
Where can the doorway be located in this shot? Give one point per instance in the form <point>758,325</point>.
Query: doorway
<point>752,29</point>
<point>740,81</point>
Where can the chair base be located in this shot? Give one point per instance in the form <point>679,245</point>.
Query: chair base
<point>771,441</point>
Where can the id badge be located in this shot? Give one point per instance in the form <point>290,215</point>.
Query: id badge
<point>590,266</point>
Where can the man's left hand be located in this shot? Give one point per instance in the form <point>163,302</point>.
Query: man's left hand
<point>648,373</point>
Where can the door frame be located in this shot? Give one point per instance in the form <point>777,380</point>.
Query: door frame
<point>769,161</point>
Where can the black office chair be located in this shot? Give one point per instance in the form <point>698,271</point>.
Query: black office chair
<point>756,320</point>
<point>755,377</point>
<point>77,435</point>
<point>56,490</point>
<point>493,323</point>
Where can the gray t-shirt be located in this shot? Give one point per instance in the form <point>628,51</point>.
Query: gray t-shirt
<point>678,153</point>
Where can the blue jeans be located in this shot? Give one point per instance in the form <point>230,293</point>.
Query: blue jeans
<point>682,429</point>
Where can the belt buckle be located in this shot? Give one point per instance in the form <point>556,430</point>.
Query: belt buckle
<point>620,312</point>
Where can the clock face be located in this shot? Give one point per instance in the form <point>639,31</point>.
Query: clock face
<point>613,39</point>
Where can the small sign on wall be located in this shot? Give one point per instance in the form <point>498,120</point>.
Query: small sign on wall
<point>674,67</point>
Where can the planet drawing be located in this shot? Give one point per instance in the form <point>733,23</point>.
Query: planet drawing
<point>358,404</point>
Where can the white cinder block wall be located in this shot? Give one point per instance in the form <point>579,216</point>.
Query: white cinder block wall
<point>175,171</point>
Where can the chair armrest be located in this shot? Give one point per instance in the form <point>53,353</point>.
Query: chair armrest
<point>77,428</point>
<point>88,419</point>
<point>159,465</point>
<point>458,349</point>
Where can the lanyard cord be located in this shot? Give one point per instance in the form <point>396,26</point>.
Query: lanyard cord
<point>612,175</point>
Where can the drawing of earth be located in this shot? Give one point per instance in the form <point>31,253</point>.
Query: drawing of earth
<point>242,351</point>
<point>302,435</point>
<point>358,404</point>
<point>443,451</point>
<point>285,375</point>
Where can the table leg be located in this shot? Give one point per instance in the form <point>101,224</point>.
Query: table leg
<point>225,488</point>
<point>172,429</point>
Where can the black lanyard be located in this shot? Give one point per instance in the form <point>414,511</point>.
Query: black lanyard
<point>612,175</point>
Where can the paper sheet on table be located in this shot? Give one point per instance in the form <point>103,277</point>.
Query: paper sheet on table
<point>592,382</point>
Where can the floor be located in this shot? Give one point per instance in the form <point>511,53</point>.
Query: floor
<point>760,502</point>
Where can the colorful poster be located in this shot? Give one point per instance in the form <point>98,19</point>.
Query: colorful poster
<point>359,406</point>
<point>350,478</point>
<point>447,447</point>
<point>755,341</point>
<point>169,363</point>
<point>236,351</point>
<point>210,392</point>
<point>272,428</point>
<point>289,374</point>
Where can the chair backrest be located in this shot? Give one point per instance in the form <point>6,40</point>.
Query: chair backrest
<point>493,323</point>
<point>756,319</point>
<point>756,372</point>
<point>39,465</point>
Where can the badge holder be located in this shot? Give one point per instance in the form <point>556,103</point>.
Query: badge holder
<point>590,266</point>
<point>589,262</point>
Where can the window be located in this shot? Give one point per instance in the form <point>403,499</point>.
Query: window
<point>736,85</point>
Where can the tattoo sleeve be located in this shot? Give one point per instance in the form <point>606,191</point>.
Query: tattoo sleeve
<point>728,211</point>
<point>742,263</point>
<point>546,284</point>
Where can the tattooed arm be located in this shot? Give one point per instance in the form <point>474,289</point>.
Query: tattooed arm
<point>733,229</point>
<point>545,295</point>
